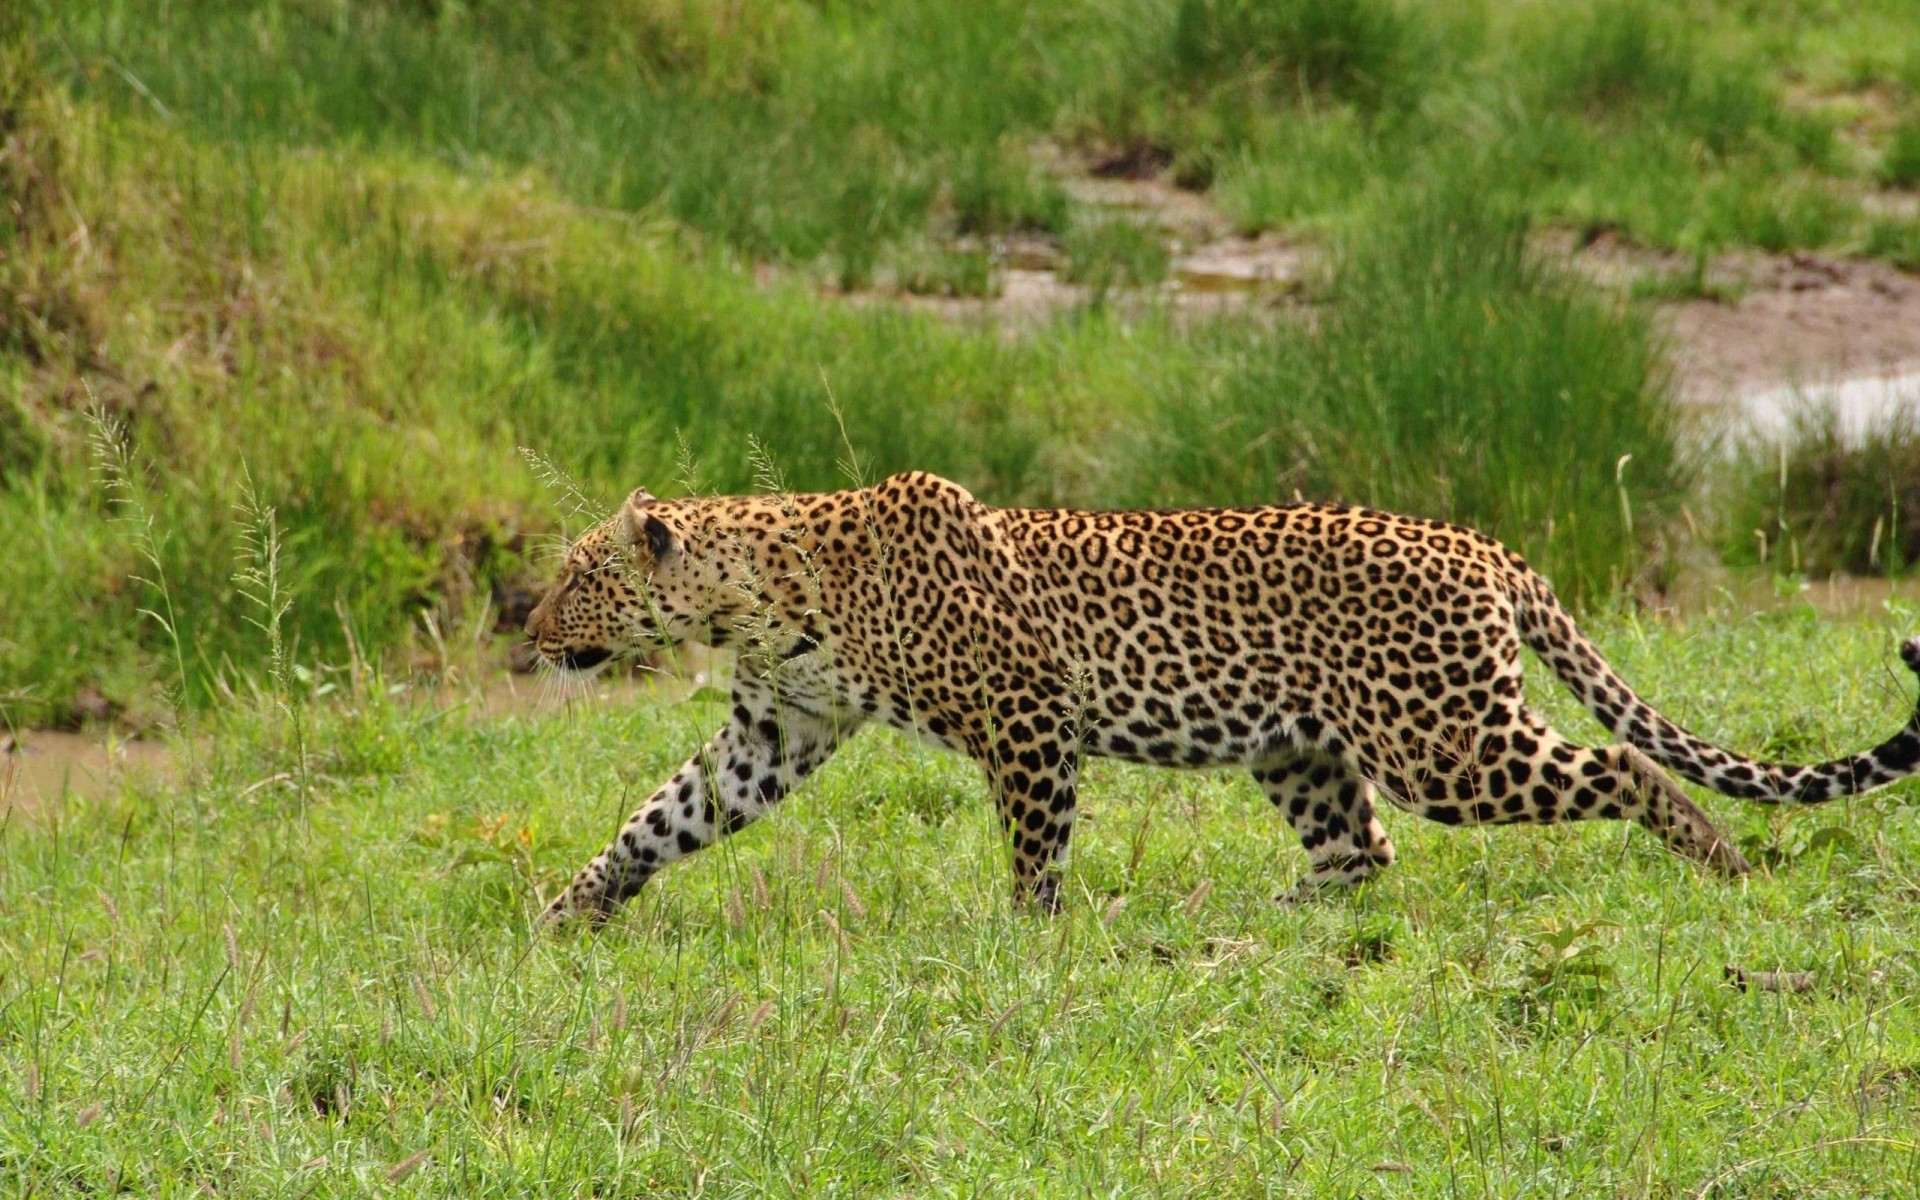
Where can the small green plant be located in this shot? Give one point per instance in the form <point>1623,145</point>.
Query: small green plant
<point>1116,252</point>
<point>1825,499</point>
<point>1696,282</point>
<point>1310,165</point>
<point>1568,972</point>
<point>257,577</point>
<point>498,839</point>
<point>949,270</point>
<point>1366,51</point>
<point>1615,53</point>
<point>23,444</point>
<point>127,494</point>
<point>1895,239</point>
<point>998,190</point>
<point>1787,840</point>
<point>1900,162</point>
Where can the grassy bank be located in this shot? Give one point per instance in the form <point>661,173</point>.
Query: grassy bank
<point>360,340</point>
<point>320,980</point>
<point>345,260</point>
<point>801,132</point>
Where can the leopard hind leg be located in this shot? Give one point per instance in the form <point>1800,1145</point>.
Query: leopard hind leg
<point>1332,809</point>
<point>1528,774</point>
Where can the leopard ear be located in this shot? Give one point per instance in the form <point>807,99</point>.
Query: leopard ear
<point>640,524</point>
<point>662,542</point>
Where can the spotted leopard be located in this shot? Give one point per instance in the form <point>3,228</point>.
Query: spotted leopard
<point>1338,654</point>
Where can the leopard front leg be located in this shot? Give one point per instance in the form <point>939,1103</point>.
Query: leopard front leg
<point>754,761</point>
<point>1035,789</point>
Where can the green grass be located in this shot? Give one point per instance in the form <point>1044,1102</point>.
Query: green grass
<point>341,261</point>
<point>1822,500</point>
<point>1695,282</point>
<point>1897,240</point>
<point>1901,165</point>
<point>368,335</point>
<point>360,254</point>
<point>808,134</point>
<point>934,270</point>
<point>1109,252</point>
<point>1497,364</point>
<point>282,977</point>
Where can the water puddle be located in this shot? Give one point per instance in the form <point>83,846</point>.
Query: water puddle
<point>1264,264</point>
<point>39,767</point>
<point>1861,407</point>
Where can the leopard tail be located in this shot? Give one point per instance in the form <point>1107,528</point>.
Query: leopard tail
<point>1550,631</point>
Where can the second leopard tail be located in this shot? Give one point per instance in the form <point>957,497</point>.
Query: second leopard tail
<point>1550,631</point>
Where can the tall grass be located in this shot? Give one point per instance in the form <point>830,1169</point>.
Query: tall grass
<point>1367,51</point>
<point>371,342</point>
<point>820,134</point>
<point>1450,374</point>
<point>310,249</point>
<point>1823,498</point>
<point>363,341</point>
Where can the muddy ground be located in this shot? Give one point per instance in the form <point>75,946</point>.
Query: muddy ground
<point>1750,323</point>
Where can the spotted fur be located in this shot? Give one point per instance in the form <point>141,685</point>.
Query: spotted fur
<point>1338,654</point>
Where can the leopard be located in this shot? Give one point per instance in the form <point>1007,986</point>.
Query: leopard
<point>1340,655</point>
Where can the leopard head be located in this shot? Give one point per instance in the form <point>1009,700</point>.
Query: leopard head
<point>631,585</point>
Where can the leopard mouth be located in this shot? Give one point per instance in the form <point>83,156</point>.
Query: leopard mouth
<point>585,659</point>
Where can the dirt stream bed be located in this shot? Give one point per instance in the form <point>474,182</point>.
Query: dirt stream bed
<point>40,766</point>
<point>1752,325</point>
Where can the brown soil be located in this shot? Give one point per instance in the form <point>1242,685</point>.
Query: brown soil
<point>1765,320</point>
<point>1774,319</point>
<point>42,766</point>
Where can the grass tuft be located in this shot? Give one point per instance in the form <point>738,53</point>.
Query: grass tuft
<point>1900,163</point>
<point>1829,499</point>
<point>1359,50</point>
<point>1116,252</point>
<point>1447,366</point>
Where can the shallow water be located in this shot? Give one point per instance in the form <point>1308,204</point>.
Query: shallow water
<point>1861,405</point>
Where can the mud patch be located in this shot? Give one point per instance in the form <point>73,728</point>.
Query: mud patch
<point>1805,318</point>
<point>1742,328</point>
<point>42,767</point>
<point>1767,322</point>
<point>1214,271</point>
